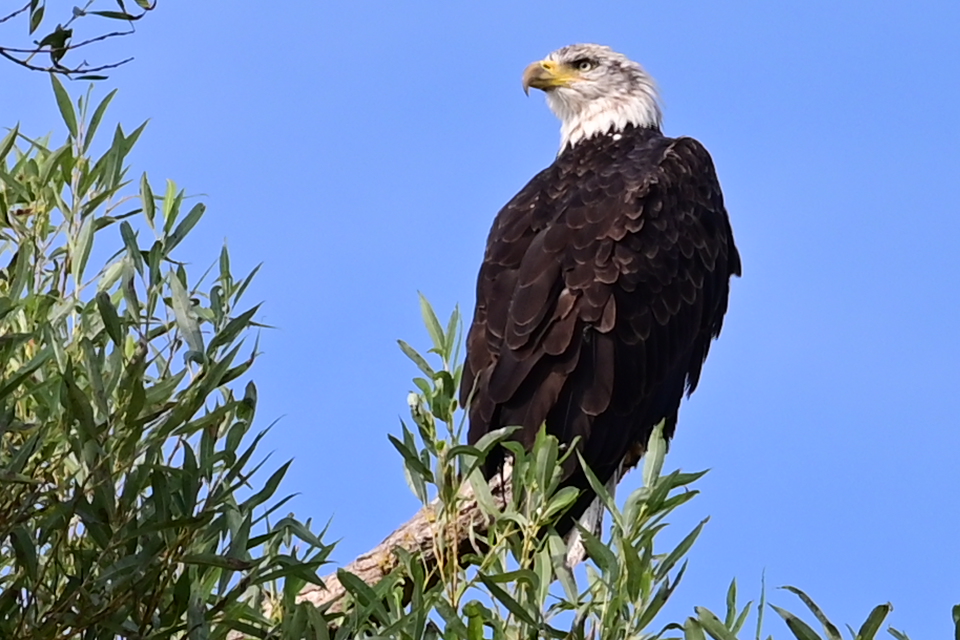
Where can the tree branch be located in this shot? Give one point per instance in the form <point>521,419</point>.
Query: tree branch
<point>418,536</point>
<point>57,43</point>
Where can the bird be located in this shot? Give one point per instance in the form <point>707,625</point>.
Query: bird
<point>603,282</point>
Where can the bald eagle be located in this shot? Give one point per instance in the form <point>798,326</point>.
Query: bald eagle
<point>604,280</point>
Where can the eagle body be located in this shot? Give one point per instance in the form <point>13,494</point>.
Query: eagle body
<point>603,283</point>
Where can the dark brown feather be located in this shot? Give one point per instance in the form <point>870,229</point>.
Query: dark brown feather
<point>604,281</point>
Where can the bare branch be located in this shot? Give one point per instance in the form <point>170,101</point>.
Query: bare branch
<point>418,537</point>
<point>15,13</point>
<point>57,43</point>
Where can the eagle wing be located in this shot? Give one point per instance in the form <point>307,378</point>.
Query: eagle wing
<point>603,282</point>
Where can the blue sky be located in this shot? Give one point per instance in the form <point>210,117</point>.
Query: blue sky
<point>361,150</point>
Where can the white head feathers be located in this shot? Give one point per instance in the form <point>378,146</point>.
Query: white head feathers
<point>595,90</point>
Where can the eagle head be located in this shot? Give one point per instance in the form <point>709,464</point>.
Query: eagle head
<point>594,90</point>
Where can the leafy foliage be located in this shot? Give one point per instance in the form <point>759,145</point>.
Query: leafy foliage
<point>132,503</point>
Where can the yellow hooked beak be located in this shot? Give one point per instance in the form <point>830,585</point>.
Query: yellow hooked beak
<point>546,75</point>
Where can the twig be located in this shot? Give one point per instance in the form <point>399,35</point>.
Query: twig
<point>15,13</point>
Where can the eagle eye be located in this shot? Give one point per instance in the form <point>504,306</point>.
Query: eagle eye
<point>584,64</point>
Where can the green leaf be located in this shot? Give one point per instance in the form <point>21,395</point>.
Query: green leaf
<point>653,459</point>
<point>731,604</point>
<point>411,458</point>
<point>956,621</point>
<point>269,488</point>
<point>186,318</point>
<point>214,560</point>
<point>115,15</point>
<point>432,323</point>
<point>26,371</point>
<point>561,501</point>
<point>599,553</point>
<point>171,205</point>
<point>147,199</point>
<point>95,120</point>
<point>692,630</point>
<point>601,492</point>
<point>36,18</point>
<point>232,330</point>
<point>81,251</point>
<point>418,360</point>
<point>184,227</point>
<point>66,106</point>
<point>681,550</point>
<point>7,143</point>
<point>712,624</point>
<point>24,551</point>
<point>111,320</point>
<point>828,627</point>
<point>874,621</point>
<point>130,241</point>
<point>507,600</point>
<point>800,629</point>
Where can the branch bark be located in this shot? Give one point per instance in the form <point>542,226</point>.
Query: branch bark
<point>418,536</point>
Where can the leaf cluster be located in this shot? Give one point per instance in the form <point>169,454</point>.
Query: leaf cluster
<point>510,578</point>
<point>133,502</point>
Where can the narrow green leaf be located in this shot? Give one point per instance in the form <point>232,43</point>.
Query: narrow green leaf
<point>24,551</point>
<point>560,502</point>
<point>269,488</point>
<point>899,635</point>
<point>653,459</point>
<point>111,320</point>
<point>36,18</point>
<point>432,323</point>
<point>81,251</point>
<point>97,117</point>
<point>800,629</point>
<point>956,621</point>
<point>184,227</point>
<point>411,458</point>
<point>692,630</point>
<point>481,491</point>
<point>874,621</point>
<point>186,317</point>
<point>52,161</point>
<point>233,328</point>
<point>656,604</point>
<point>418,360</point>
<point>712,624</point>
<point>828,627</point>
<point>130,242</point>
<point>507,600</point>
<point>742,618</point>
<point>171,205</point>
<point>762,606</point>
<point>214,560</point>
<point>114,15</point>
<point>66,106</point>
<point>7,143</point>
<point>731,604</point>
<point>602,493</point>
<point>25,371</point>
<point>599,553</point>
<point>147,199</point>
